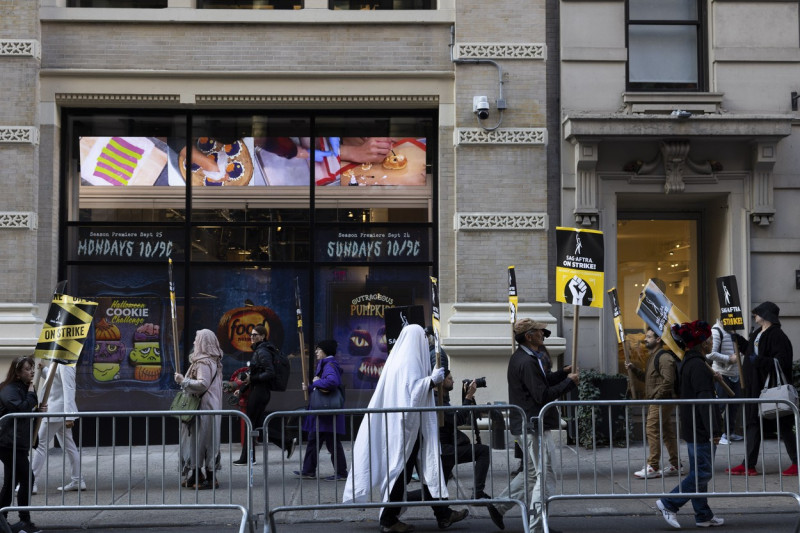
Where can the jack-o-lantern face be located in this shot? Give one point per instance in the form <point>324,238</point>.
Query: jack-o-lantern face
<point>105,371</point>
<point>109,351</point>
<point>370,369</point>
<point>360,343</point>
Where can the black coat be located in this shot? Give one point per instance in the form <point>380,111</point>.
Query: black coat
<point>698,422</point>
<point>15,398</point>
<point>262,369</point>
<point>773,344</point>
<point>531,390</point>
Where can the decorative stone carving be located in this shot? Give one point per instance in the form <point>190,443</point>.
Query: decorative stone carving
<point>19,134</point>
<point>674,155</point>
<point>217,99</point>
<point>17,220</point>
<point>500,51</point>
<point>586,208</point>
<point>500,221</point>
<point>83,98</point>
<point>20,47</point>
<point>501,136</point>
<point>765,154</point>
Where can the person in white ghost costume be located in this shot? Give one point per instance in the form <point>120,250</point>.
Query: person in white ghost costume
<point>60,400</point>
<point>384,465</point>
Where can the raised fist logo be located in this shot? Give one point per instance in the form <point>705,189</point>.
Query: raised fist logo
<point>578,289</point>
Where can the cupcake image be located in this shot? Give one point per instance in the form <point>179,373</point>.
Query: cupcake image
<point>109,352</point>
<point>145,356</point>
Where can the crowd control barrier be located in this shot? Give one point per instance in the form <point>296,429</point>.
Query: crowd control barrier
<point>605,471</point>
<point>321,495</point>
<point>128,477</point>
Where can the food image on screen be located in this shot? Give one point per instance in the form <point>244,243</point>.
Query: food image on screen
<point>215,164</point>
<point>121,161</point>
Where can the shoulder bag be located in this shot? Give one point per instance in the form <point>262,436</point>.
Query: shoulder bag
<point>782,391</point>
<point>186,401</point>
<point>324,399</point>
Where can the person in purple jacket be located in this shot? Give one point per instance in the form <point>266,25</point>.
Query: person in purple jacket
<point>324,429</point>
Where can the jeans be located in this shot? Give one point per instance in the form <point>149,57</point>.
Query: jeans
<point>697,481</point>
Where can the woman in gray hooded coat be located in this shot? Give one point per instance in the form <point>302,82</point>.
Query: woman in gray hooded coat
<point>200,439</point>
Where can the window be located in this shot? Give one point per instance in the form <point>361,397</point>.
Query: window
<point>249,4</point>
<point>665,45</point>
<point>366,5</point>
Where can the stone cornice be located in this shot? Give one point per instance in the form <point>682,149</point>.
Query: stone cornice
<point>594,126</point>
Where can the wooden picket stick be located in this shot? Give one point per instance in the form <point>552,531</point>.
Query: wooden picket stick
<point>575,339</point>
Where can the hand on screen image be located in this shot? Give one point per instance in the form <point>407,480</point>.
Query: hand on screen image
<point>365,149</point>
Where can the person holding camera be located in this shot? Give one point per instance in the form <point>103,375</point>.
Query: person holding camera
<point>531,387</point>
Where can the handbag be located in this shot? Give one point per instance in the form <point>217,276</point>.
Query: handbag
<point>186,401</point>
<point>782,391</point>
<point>326,400</point>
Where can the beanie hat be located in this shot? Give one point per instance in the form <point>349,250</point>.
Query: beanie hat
<point>328,346</point>
<point>691,334</point>
<point>769,312</point>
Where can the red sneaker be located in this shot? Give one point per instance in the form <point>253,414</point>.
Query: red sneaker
<point>791,471</point>
<point>740,471</point>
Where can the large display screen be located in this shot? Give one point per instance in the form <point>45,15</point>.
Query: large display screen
<point>253,161</point>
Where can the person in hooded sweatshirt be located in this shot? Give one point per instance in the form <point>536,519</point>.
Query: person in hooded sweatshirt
<point>324,429</point>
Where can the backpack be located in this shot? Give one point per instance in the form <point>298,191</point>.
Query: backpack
<point>676,385</point>
<point>282,368</point>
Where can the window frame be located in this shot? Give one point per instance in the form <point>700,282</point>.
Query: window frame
<point>700,25</point>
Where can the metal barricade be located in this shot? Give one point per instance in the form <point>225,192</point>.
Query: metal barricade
<point>140,471</point>
<point>287,492</point>
<point>606,473</point>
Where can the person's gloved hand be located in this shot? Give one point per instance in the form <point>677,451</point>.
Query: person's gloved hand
<point>437,376</point>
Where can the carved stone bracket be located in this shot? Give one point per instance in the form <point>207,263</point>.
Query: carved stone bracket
<point>20,47</point>
<point>765,154</point>
<point>500,51</point>
<point>501,136</point>
<point>19,134</point>
<point>586,208</point>
<point>500,221</point>
<point>18,220</point>
<point>674,155</point>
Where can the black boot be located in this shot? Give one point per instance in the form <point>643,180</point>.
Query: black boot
<point>210,481</point>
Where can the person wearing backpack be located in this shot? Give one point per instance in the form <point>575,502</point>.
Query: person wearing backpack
<point>660,383</point>
<point>324,429</point>
<point>259,385</point>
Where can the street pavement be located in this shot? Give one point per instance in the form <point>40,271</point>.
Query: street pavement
<point>753,513</point>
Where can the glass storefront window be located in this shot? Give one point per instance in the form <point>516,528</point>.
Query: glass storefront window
<point>661,249</point>
<point>366,5</point>
<point>249,4</point>
<point>141,4</point>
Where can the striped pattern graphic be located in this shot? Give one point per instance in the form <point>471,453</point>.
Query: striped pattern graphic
<point>65,329</point>
<point>117,161</point>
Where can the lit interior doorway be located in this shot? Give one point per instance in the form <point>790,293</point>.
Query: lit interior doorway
<point>666,249</point>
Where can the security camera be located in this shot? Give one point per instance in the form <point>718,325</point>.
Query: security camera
<point>480,106</point>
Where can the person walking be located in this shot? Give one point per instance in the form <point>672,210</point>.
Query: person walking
<point>699,425</point>
<point>60,400</point>
<point>724,362</point>
<point>531,387</point>
<point>17,395</point>
<point>388,445</point>
<point>257,384</point>
<point>200,438</point>
<point>324,429</point>
<point>766,345</point>
<point>659,384</point>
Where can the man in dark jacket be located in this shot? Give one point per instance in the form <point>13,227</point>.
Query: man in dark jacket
<point>531,387</point>
<point>699,424</point>
<point>766,345</point>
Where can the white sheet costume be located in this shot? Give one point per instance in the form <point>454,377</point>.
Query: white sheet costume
<point>404,382</point>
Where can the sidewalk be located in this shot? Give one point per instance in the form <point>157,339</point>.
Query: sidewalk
<point>607,469</point>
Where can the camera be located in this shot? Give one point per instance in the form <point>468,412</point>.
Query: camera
<point>479,382</point>
<point>480,106</point>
